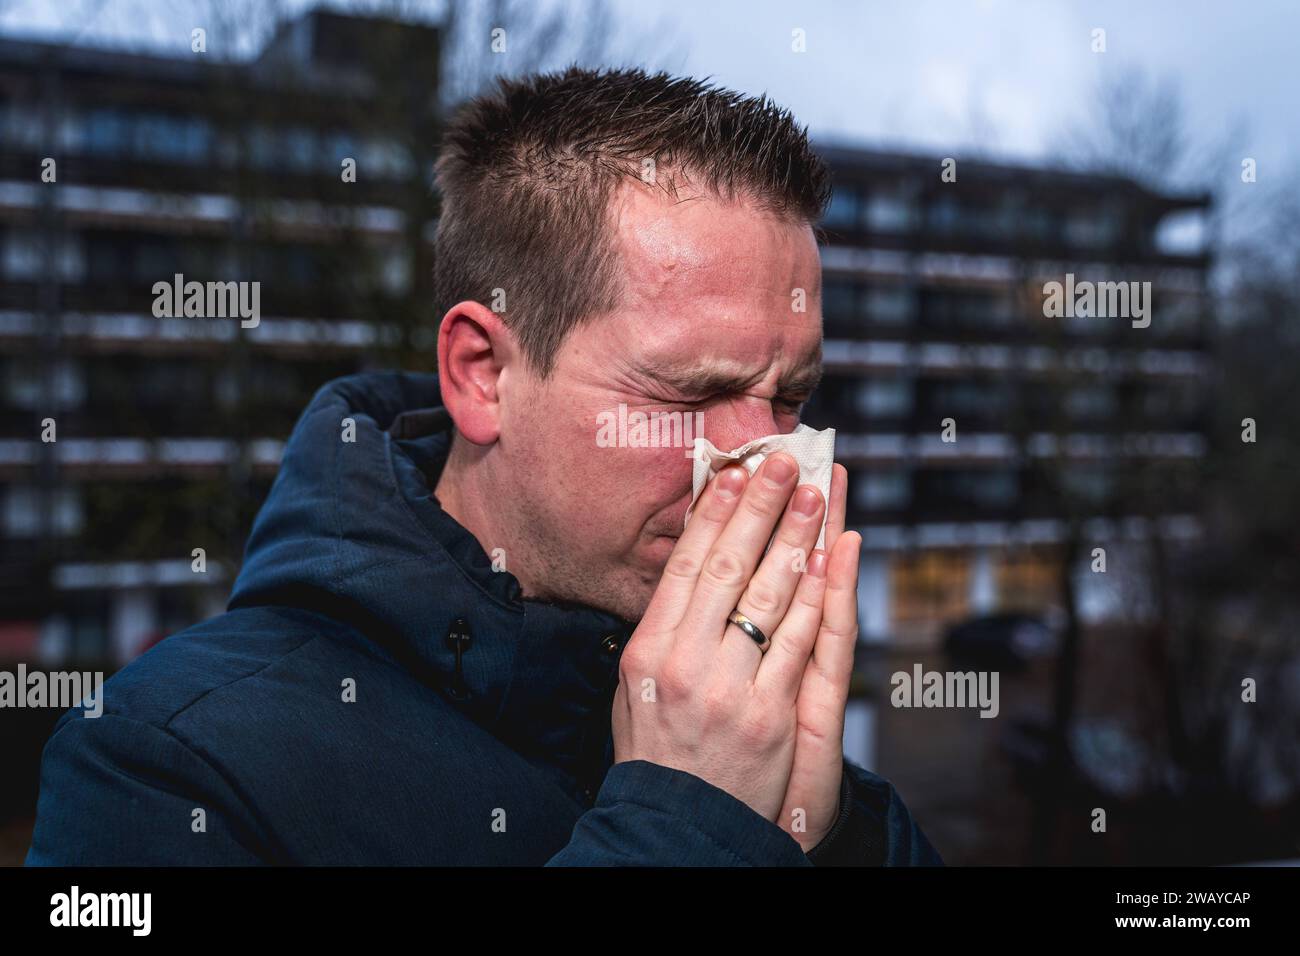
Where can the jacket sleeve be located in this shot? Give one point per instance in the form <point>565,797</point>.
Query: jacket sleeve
<point>873,828</point>
<point>650,815</point>
<point>120,792</point>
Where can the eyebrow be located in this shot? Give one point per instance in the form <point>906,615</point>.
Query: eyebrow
<point>701,379</point>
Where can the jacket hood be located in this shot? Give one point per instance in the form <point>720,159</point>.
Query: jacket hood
<point>352,529</point>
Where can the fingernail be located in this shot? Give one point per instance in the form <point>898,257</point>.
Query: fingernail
<point>817,564</point>
<point>806,501</point>
<point>730,481</point>
<point>779,470</point>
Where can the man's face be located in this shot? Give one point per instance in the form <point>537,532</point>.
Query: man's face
<point>708,323</point>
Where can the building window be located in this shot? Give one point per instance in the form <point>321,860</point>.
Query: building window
<point>24,257</point>
<point>1092,228</point>
<point>944,215</point>
<point>395,271</point>
<point>929,587</point>
<point>301,149</point>
<point>25,384</point>
<point>262,147</point>
<point>108,132</point>
<point>154,260</point>
<point>955,490</point>
<point>842,213</point>
<point>976,399</point>
<point>888,305</point>
<point>840,300</point>
<point>1028,580</point>
<point>884,398</point>
<point>1089,485</point>
<point>994,490</point>
<point>21,127</point>
<point>989,490</point>
<point>1038,224</point>
<point>890,212</point>
<point>1171,403</point>
<point>1091,403</point>
<point>337,147</point>
<point>24,511</point>
<point>882,490</point>
<point>387,157</point>
<point>167,138</point>
<point>945,309</point>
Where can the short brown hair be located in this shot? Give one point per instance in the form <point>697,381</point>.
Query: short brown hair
<point>526,173</point>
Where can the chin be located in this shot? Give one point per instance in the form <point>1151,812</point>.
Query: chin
<point>627,589</point>
<point>630,602</point>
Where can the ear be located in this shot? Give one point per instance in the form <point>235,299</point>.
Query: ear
<point>474,346</point>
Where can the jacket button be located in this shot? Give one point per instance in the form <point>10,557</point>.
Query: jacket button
<point>610,645</point>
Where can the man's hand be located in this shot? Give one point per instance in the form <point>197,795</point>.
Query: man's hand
<point>695,692</point>
<point>814,790</point>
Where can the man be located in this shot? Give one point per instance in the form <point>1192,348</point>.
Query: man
<point>467,632</point>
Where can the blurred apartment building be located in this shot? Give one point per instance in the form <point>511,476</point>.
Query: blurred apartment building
<point>169,430</point>
<point>1066,434</point>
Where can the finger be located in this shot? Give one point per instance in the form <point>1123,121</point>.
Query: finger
<point>782,668</point>
<point>835,508</point>
<point>712,512</point>
<point>832,655</point>
<point>767,597</point>
<point>735,554</point>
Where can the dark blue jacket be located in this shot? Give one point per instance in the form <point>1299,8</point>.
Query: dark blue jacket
<point>492,749</point>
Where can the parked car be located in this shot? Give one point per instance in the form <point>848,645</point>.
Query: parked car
<point>1001,641</point>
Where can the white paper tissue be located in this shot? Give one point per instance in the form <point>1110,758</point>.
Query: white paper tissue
<point>814,451</point>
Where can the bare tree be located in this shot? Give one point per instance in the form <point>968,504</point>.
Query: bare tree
<point>1226,610</point>
<point>1135,129</point>
<point>511,37</point>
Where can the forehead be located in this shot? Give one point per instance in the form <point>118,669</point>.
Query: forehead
<point>706,281</point>
<point>697,244</point>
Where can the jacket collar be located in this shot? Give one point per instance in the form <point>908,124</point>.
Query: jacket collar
<point>354,529</point>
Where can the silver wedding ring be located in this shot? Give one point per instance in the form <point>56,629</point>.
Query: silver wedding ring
<point>750,628</point>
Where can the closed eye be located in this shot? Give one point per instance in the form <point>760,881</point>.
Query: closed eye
<point>786,405</point>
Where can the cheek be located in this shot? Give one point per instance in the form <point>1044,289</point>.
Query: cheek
<point>599,488</point>
<point>669,470</point>
<point>627,487</point>
<point>661,477</point>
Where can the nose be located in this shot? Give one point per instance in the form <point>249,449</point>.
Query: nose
<point>730,424</point>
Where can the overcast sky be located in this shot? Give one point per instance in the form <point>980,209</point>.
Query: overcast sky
<point>924,71</point>
<point>931,75</point>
